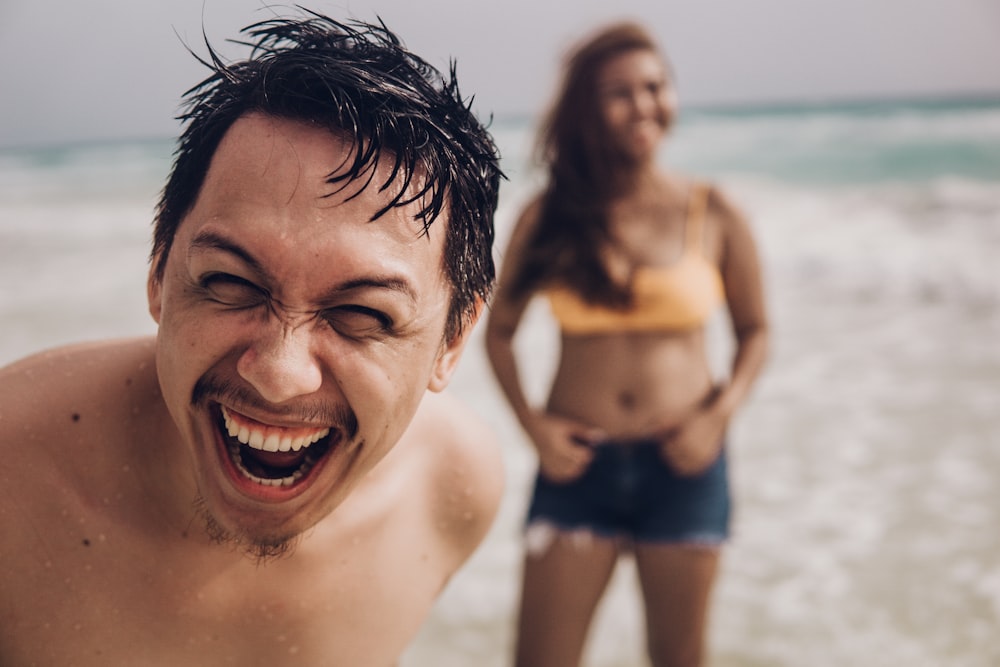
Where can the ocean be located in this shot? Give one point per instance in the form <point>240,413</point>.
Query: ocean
<point>866,465</point>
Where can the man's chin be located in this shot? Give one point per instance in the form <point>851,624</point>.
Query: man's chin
<point>260,548</point>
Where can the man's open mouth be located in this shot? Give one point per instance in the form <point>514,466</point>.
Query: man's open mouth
<point>273,455</point>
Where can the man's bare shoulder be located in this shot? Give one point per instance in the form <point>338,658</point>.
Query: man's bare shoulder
<point>467,469</point>
<point>84,387</point>
<point>52,372</point>
<point>459,434</point>
<point>80,354</point>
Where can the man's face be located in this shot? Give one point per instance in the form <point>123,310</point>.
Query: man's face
<point>289,321</point>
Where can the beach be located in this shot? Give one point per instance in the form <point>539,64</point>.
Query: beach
<point>865,466</point>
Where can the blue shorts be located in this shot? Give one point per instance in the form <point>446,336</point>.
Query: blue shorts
<point>628,491</point>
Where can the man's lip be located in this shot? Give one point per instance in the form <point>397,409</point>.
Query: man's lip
<point>275,422</point>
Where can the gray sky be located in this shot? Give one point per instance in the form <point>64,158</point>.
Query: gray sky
<point>98,69</point>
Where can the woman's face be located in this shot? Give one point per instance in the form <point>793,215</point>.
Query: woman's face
<point>637,102</point>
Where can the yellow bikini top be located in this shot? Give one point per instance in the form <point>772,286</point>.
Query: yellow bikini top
<point>681,295</point>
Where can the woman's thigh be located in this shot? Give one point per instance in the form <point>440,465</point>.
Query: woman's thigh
<point>677,582</point>
<point>563,581</point>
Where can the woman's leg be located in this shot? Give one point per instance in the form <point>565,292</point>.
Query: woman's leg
<point>676,587</point>
<point>562,584</point>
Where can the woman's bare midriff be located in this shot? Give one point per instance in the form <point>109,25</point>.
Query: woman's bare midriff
<point>631,385</point>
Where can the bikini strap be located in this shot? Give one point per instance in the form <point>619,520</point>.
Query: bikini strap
<point>697,205</point>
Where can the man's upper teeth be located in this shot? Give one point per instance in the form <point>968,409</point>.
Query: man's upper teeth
<point>259,438</point>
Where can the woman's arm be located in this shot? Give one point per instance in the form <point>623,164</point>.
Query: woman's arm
<point>694,446</point>
<point>742,276</point>
<point>559,442</point>
<point>505,313</point>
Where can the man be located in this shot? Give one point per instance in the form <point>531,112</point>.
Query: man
<point>269,482</point>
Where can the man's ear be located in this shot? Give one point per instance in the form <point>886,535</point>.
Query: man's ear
<point>154,290</point>
<point>451,352</point>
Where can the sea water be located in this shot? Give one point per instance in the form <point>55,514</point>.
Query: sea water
<point>866,464</point>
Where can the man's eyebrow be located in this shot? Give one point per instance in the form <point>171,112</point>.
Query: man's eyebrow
<point>391,283</point>
<point>208,240</point>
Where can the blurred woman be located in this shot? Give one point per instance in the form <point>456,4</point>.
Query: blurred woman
<point>634,259</point>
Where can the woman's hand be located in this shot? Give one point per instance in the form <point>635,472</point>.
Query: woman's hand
<point>693,446</point>
<point>565,447</point>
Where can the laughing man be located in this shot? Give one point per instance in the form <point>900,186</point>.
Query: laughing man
<point>274,479</point>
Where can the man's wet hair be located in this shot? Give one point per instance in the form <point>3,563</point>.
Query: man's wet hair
<point>358,80</point>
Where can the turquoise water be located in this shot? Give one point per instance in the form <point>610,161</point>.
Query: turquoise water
<point>849,144</point>
<point>845,144</point>
<point>867,463</point>
<point>863,143</point>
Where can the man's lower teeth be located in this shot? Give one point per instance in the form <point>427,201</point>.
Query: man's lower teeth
<point>306,466</point>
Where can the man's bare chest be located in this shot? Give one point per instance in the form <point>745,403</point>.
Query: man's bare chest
<point>86,593</point>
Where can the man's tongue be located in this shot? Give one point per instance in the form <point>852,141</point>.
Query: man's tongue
<point>271,464</point>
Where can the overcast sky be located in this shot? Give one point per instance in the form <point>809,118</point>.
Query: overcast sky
<point>99,69</point>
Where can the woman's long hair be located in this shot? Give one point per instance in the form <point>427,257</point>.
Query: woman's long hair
<point>583,177</point>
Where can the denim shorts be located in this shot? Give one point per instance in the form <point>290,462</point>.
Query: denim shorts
<point>629,492</point>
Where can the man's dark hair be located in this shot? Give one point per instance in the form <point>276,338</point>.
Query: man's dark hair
<point>358,80</point>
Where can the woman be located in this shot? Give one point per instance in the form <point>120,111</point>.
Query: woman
<point>634,259</point>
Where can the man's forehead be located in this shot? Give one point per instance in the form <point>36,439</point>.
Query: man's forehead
<point>283,173</point>
<point>260,144</point>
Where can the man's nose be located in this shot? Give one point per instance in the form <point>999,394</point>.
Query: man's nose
<point>280,363</point>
